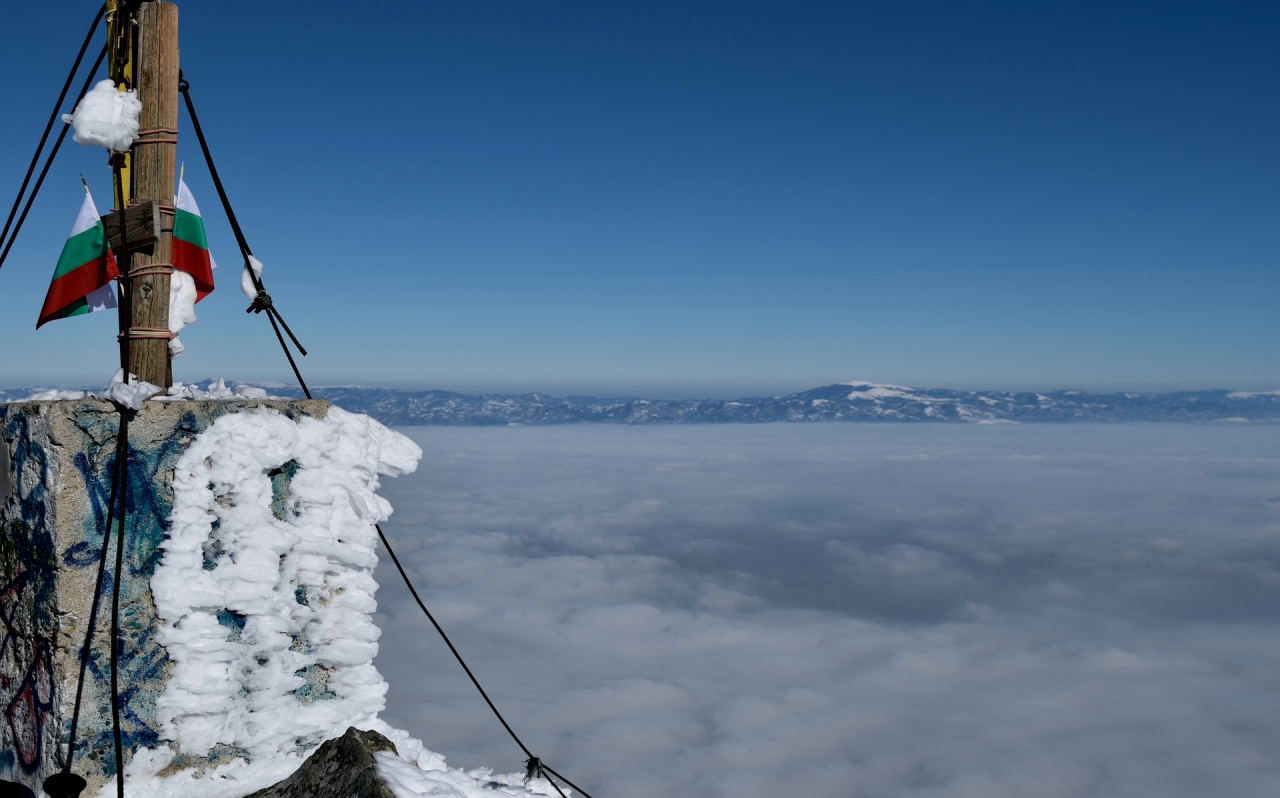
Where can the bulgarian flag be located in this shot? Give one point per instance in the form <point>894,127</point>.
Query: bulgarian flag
<point>190,247</point>
<point>82,281</point>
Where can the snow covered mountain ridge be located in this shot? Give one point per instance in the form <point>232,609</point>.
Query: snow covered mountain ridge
<point>856,401</point>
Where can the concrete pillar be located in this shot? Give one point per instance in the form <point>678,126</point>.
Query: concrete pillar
<point>55,462</point>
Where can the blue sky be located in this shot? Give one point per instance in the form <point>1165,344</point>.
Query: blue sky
<point>705,199</point>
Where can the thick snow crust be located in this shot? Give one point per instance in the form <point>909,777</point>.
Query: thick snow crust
<point>131,394</point>
<point>265,595</point>
<point>135,393</point>
<point>106,117</point>
<point>259,583</point>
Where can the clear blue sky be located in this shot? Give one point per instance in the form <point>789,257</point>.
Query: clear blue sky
<point>705,199</point>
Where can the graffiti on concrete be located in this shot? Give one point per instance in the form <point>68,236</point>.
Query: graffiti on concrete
<point>27,611</point>
<point>56,467</point>
<point>33,737</point>
<point>32,702</point>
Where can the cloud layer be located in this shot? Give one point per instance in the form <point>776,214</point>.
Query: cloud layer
<point>837,610</point>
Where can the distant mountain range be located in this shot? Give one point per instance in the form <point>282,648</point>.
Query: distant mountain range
<point>858,401</point>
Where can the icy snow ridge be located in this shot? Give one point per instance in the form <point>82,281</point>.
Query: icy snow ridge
<point>217,391</point>
<point>265,594</point>
<point>133,393</point>
<point>265,579</point>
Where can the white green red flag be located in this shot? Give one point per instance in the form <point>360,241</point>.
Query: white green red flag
<point>82,280</point>
<point>190,251</point>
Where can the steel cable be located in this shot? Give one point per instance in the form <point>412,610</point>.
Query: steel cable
<point>115,610</point>
<point>53,117</point>
<point>263,301</point>
<point>533,765</point>
<point>53,153</point>
<point>117,468</point>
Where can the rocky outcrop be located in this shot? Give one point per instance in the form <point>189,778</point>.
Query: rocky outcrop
<point>341,768</point>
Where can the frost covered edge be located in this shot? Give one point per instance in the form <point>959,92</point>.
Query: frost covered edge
<point>265,594</point>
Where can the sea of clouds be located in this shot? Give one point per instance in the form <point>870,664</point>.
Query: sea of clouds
<point>847,610</point>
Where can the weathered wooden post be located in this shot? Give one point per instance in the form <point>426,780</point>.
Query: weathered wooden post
<point>153,159</point>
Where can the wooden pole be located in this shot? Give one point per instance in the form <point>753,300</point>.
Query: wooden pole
<point>154,156</point>
<point>120,41</point>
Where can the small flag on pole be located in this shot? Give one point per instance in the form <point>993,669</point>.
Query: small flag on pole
<point>190,247</point>
<point>82,281</point>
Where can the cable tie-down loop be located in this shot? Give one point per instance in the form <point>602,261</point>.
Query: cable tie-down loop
<point>152,268</point>
<point>533,765</point>
<point>533,769</point>
<point>145,333</point>
<point>260,303</point>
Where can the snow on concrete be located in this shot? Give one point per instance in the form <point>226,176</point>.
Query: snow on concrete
<point>179,392</point>
<point>261,584</point>
<point>130,394</point>
<point>265,595</point>
<point>217,391</point>
<point>106,117</point>
<point>56,395</point>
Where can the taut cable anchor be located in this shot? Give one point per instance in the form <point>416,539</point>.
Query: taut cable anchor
<point>262,302</point>
<point>534,767</point>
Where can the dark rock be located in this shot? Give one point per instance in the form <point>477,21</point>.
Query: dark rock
<point>341,768</point>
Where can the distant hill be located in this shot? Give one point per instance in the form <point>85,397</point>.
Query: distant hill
<point>858,401</point>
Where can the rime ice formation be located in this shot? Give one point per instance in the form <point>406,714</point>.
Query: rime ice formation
<point>246,281</point>
<point>218,390</point>
<point>264,594</point>
<point>106,117</point>
<point>182,308</point>
<point>266,582</point>
<point>178,392</point>
<point>131,394</point>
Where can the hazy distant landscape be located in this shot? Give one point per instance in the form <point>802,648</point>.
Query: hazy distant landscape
<point>859,401</point>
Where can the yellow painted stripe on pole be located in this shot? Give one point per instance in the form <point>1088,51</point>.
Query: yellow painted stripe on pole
<point>123,75</point>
